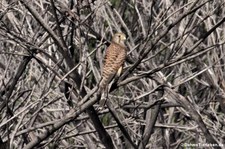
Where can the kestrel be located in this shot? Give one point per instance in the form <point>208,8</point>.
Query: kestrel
<point>114,59</point>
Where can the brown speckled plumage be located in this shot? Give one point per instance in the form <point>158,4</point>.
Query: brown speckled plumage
<point>114,59</point>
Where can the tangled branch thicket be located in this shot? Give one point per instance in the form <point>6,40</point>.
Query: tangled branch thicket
<point>171,93</point>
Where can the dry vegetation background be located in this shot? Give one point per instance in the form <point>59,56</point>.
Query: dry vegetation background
<point>171,92</point>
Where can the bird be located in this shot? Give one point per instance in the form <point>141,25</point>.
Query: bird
<point>114,59</point>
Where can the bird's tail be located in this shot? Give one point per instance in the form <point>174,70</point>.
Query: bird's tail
<point>102,84</point>
<point>103,91</point>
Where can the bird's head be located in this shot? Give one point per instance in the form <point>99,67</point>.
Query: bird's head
<point>119,38</point>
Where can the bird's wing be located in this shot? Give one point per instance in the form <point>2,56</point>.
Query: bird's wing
<point>114,59</point>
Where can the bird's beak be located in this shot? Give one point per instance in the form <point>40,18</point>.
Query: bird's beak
<point>124,38</point>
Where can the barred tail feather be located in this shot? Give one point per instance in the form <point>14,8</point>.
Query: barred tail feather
<point>102,84</point>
